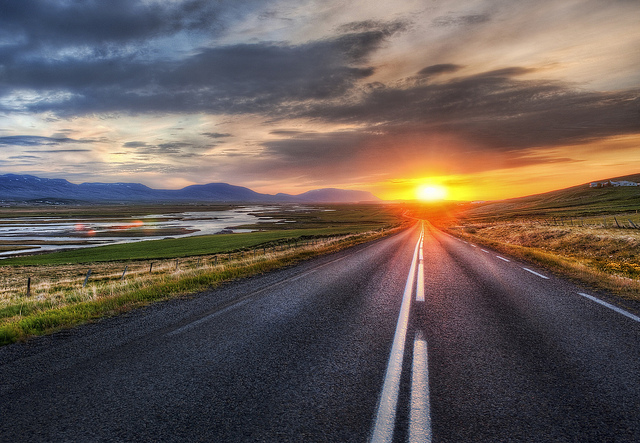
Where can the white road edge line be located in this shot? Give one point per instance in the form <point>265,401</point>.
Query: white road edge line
<point>386,412</point>
<point>502,258</point>
<point>420,414</point>
<point>535,273</point>
<point>206,318</point>
<point>245,298</point>
<point>610,306</point>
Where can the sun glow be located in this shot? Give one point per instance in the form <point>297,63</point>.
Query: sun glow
<point>431,193</point>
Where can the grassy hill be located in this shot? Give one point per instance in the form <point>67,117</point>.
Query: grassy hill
<point>587,234</point>
<point>577,201</point>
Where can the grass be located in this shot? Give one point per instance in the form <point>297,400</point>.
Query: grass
<point>182,266</point>
<point>174,248</point>
<point>309,223</point>
<point>565,204</point>
<point>587,234</point>
<point>604,258</point>
<point>70,305</point>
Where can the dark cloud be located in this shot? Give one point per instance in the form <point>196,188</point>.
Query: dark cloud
<point>494,117</point>
<point>57,151</point>
<point>513,71</point>
<point>106,26</point>
<point>134,144</point>
<point>288,132</point>
<point>443,68</point>
<point>460,20</point>
<point>367,25</point>
<point>144,150</point>
<point>231,79</point>
<point>495,110</point>
<point>23,157</point>
<point>215,135</point>
<point>33,140</point>
<point>343,155</point>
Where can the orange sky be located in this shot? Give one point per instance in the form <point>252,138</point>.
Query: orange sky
<point>601,160</point>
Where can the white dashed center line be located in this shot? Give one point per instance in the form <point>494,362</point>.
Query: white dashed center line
<point>535,273</point>
<point>420,414</point>
<point>386,412</point>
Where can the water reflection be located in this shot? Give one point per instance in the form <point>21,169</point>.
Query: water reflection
<point>39,234</point>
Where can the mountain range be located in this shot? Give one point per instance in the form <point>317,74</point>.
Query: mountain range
<point>18,188</point>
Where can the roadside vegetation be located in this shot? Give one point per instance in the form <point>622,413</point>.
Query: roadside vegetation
<point>73,287</point>
<point>606,259</point>
<point>589,235</point>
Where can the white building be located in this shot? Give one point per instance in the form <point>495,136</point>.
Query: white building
<point>612,183</point>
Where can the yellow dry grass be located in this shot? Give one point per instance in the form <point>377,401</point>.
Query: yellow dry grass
<point>604,258</point>
<point>60,287</point>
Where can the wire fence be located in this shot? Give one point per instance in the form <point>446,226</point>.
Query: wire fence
<point>86,280</point>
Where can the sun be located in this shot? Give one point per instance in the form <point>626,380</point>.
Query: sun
<point>431,193</point>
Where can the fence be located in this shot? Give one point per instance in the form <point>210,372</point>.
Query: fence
<point>58,280</point>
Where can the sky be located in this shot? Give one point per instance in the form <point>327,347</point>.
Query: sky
<point>488,98</point>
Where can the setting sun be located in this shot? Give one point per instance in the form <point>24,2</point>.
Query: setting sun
<point>431,192</point>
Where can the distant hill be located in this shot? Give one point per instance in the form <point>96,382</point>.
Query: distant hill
<point>575,201</point>
<point>24,188</point>
<point>335,196</point>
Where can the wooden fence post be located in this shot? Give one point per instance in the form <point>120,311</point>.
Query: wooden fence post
<point>86,279</point>
<point>124,272</point>
<point>150,267</point>
<point>28,286</point>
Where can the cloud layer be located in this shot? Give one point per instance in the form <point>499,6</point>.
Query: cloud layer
<point>312,92</point>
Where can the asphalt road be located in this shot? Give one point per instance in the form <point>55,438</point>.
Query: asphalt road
<point>340,349</point>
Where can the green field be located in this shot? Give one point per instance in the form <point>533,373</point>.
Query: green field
<point>572,203</point>
<point>315,223</point>
<point>127,276</point>
<point>176,248</point>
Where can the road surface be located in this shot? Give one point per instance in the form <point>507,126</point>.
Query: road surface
<point>416,337</point>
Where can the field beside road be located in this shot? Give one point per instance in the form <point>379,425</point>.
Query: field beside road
<point>605,259</point>
<point>46,292</point>
<point>590,235</point>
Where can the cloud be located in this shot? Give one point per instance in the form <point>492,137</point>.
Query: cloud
<point>57,151</point>
<point>144,150</point>
<point>215,135</point>
<point>460,20</point>
<point>37,23</point>
<point>288,132</point>
<point>494,117</point>
<point>316,90</point>
<point>444,68</point>
<point>134,144</point>
<point>239,78</point>
<point>33,140</point>
<point>493,109</point>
